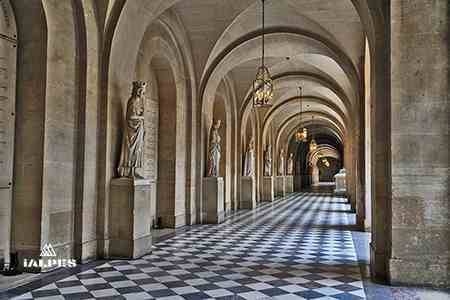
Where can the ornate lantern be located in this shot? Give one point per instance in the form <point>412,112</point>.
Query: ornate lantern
<point>302,134</point>
<point>263,84</point>
<point>312,144</point>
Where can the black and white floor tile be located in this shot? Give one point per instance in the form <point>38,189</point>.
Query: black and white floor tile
<point>293,248</point>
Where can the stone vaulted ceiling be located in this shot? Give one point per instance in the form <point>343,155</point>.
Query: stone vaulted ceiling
<point>316,44</point>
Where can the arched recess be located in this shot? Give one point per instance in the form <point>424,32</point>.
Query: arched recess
<point>117,75</point>
<point>207,114</point>
<point>8,63</point>
<point>160,63</point>
<point>220,113</point>
<point>249,130</point>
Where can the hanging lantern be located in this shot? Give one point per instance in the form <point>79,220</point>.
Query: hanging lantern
<point>263,84</point>
<point>302,134</point>
<point>312,145</point>
<point>262,88</point>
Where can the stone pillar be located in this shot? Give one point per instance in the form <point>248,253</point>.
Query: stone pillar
<point>420,253</point>
<point>289,184</point>
<point>130,214</point>
<point>248,193</point>
<point>280,190</point>
<point>268,188</point>
<point>213,200</point>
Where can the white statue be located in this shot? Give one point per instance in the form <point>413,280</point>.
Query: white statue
<point>290,164</point>
<point>268,161</point>
<point>214,150</point>
<point>249,162</point>
<point>133,139</point>
<point>281,163</point>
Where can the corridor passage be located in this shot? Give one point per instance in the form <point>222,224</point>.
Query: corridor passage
<point>294,248</point>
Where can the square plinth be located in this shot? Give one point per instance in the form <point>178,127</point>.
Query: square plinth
<point>130,218</point>
<point>268,189</point>
<point>213,200</point>
<point>289,184</point>
<point>248,193</point>
<point>280,188</point>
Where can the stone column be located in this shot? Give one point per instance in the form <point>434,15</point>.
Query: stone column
<point>420,157</point>
<point>268,188</point>
<point>213,200</point>
<point>248,192</point>
<point>130,215</point>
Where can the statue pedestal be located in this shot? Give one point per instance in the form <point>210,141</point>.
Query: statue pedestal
<point>130,218</point>
<point>268,189</point>
<point>341,186</point>
<point>213,198</point>
<point>248,193</point>
<point>280,188</point>
<point>289,183</point>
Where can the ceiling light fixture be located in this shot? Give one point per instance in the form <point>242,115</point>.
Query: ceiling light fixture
<point>312,144</point>
<point>302,134</point>
<point>263,84</point>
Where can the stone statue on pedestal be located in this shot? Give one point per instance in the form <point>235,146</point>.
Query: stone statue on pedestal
<point>214,150</point>
<point>290,164</point>
<point>132,152</point>
<point>268,161</point>
<point>249,162</point>
<point>281,163</point>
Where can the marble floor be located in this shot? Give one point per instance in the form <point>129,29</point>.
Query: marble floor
<point>294,248</point>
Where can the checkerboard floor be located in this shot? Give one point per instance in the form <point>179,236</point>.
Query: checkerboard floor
<point>290,249</point>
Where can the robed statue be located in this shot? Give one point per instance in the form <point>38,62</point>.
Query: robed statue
<point>268,161</point>
<point>281,163</point>
<point>132,154</point>
<point>214,150</point>
<point>290,164</point>
<point>249,161</point>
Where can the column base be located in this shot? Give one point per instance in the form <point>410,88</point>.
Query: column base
<point>421,271</point>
